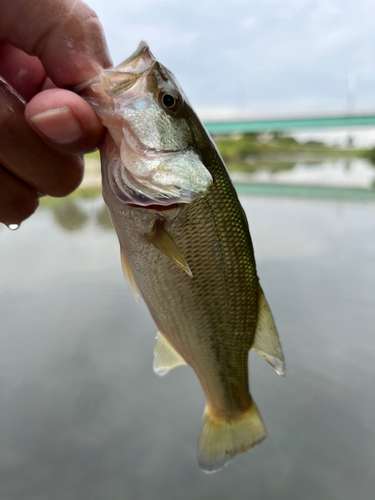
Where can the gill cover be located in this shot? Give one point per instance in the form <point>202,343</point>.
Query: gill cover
<point>149,157</point>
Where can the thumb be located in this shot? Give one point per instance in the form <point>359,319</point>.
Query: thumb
<point>66,35</point>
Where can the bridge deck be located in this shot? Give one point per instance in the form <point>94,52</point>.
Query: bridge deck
<point>291,123</point>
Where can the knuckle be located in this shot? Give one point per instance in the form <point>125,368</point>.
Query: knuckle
<point>92,15</point>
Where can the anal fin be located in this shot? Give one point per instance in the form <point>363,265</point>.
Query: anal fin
<point>266,342</point>
<point>134,290</point>
<point>164,242</point>
<point>165,357</point>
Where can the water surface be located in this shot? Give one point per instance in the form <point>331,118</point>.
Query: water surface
<point>82,416</point>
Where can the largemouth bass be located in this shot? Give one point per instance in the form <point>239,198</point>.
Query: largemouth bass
<point>185,246</point>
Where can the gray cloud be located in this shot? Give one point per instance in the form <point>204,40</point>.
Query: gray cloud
<point>266,56</point>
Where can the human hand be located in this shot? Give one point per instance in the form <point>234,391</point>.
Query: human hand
<point>46,46</point>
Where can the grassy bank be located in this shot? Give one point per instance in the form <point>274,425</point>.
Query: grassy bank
<point>243,152</point>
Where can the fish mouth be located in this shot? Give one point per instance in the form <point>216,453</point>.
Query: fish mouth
<point>141,60</point>
<point>123,77</point>
<point>118,79</point>
<point>143,170</point>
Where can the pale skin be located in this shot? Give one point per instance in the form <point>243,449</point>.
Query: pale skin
<point>46,47</point>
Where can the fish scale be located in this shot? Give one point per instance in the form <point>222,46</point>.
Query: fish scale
<point>205,306</point>
<point>186,246</point>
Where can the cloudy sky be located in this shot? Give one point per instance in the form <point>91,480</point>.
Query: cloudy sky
<point>254,56</point>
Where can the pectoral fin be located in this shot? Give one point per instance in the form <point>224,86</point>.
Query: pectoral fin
<point>165,357</point>
<point>129,277</point>
<point>266,342</point>
<point>166,244</point>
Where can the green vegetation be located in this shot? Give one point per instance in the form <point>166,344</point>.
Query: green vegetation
<point>253,151</point>
<point>246,153</point>
<point>82,192</point>
<point>69,216</point>
<point>94,155</point>
<point>370,154</point>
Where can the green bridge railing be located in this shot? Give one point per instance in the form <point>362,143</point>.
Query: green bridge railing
<point>289,123</point>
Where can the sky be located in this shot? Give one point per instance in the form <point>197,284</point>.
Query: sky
<point>254,57</point>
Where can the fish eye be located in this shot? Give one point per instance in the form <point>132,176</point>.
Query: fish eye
<point>170,100</point>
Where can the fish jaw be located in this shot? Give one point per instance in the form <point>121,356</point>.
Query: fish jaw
<point>155,161</point>
<point>174,179</point>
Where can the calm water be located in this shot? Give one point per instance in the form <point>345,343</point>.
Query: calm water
<point>82,416</point>
<point>310,171</point>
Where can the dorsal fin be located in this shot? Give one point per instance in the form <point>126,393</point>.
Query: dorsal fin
<point>266,341</point>
<point>134,290</point>
<point>166,244</point>
<point>165,357</point>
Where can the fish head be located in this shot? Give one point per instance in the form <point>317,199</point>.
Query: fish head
<point>150,156</point>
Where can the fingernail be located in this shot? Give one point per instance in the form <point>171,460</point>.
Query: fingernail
<point>59,125</point>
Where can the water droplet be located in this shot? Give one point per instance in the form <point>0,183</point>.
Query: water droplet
<point>13,227</point>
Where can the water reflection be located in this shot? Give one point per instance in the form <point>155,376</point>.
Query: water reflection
<point>76,214</point>
<point>83,416</point>
<point>103,219</point>
<point>328,172</point>
<point>255,165</point>
<point>293,168</point>
<point>69,215</point>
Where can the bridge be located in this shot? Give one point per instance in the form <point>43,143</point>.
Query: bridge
<point>276,124</point>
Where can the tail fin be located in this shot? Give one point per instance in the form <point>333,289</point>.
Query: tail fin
<point>221,440</point>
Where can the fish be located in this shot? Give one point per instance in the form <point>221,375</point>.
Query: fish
<point>185,246</point>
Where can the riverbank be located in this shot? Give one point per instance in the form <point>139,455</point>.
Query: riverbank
<point>272,162</point>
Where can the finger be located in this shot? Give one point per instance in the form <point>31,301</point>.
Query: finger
<point>65,35</point>
<point>47,85</point>
<point>65,121</point>
<point>23,72</point>
<point>17,201</point>
<point>24,153</point>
